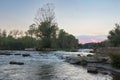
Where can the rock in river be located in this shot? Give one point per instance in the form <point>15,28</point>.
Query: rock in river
<point>73,60</point>
<point>91,69</point>
<point>17,54</point>
<point>25,55</point>
<point>5,53</point>
<point>16,63</point>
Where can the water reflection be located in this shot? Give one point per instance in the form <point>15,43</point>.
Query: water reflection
<point>46,72</point>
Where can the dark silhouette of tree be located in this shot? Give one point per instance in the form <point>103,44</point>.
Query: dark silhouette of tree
<point>47,26</point>
<point>32,29</point>
<point>67,41</point>
<point>4,33</point>
<point>45,14</point>
<point>114,36</point>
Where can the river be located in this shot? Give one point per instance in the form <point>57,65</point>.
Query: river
<point>44,66</point>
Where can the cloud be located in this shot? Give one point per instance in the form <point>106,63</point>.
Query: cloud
<point>91,38</point>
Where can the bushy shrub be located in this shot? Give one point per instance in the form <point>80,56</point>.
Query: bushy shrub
<point>115,59</point>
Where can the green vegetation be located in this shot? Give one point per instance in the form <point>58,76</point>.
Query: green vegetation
<point>90,55</point>
<point>18,43</point>
<point>44,34</point>
<point>114,39</point>
<point>115,59</point>
<point>114,36</point>
<point>67,41</point>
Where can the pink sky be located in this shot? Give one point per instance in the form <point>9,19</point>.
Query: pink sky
<point>91,40</point>
<point>88,39</point>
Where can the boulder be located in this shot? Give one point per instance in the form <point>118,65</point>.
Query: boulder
<point>93,61</point>
<point>17,54</point>
<point>25,55</point>
<point>5,53</point>
<point>92,69</point>
<point>16,63</point>
<point>73,60</point>
<point>104,72</point>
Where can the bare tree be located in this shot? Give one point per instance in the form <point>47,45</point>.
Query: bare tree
<point>47,27</point>
<point>45,14</point>
<point>45,20</point>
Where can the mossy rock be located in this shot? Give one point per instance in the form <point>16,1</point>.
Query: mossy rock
<point>90,55</point>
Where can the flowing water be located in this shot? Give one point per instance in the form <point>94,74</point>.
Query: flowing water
<point>44,66</point>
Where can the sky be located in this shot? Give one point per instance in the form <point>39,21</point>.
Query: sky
<point>91,38</point>
<point>77,17</point>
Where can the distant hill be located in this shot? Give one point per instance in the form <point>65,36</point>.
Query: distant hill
<point>91,38</point>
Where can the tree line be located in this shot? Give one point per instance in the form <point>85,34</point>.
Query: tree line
<point>43,34</point>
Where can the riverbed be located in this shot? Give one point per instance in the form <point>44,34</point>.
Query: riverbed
<point>45,66</point>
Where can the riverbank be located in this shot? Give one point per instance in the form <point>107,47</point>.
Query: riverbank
<point>94,63</point>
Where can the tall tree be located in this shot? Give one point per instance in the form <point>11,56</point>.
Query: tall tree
<point>114,36</point>
<point>47,26</point>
